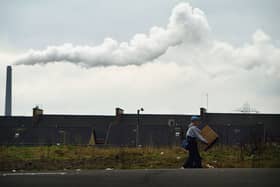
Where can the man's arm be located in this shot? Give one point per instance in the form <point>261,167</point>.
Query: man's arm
<point>199,136</point>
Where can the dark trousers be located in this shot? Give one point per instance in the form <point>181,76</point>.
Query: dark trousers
<point>194,159</point>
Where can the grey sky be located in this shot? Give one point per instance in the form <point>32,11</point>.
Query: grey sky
<point>240,63</point>
<point>38,23</point>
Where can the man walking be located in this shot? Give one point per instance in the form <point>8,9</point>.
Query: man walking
<point>194,133</point>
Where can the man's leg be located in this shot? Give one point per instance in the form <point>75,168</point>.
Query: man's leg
<point>189,162</point>
<point>197,158</point>
<point>191,159</point>
<point>197,163</point>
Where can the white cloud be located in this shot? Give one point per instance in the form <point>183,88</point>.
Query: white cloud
<point>260,37</point>
<point>186,24</point>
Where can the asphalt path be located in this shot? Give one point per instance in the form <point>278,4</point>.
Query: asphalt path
<point>135,178</point>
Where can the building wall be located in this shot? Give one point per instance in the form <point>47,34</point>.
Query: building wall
<point>154,129</point>
<point>244,128</point>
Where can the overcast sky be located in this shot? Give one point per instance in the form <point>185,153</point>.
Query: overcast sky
<point>90,56</point>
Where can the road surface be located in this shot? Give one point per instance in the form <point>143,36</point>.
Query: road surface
<point>137,178</point>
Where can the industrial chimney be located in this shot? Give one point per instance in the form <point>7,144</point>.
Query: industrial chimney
<point>8,101</point>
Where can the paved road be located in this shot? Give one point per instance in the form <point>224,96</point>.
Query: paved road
<point>137,178</point>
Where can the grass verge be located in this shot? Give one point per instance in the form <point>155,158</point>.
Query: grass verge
<point>88,157</point>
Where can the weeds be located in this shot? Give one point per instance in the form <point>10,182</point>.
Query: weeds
<point>90,157</point>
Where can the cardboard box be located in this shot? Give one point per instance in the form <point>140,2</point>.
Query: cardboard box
<point>210,135</point>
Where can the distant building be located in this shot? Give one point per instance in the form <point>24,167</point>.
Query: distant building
<point>120,129</point>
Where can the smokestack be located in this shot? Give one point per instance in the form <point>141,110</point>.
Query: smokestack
<point>8,101</point>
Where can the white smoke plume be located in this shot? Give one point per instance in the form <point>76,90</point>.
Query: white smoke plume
<point>186,24</point>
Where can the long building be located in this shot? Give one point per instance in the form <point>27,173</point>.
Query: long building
<point>129,129</point>
<point>133,129</point>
